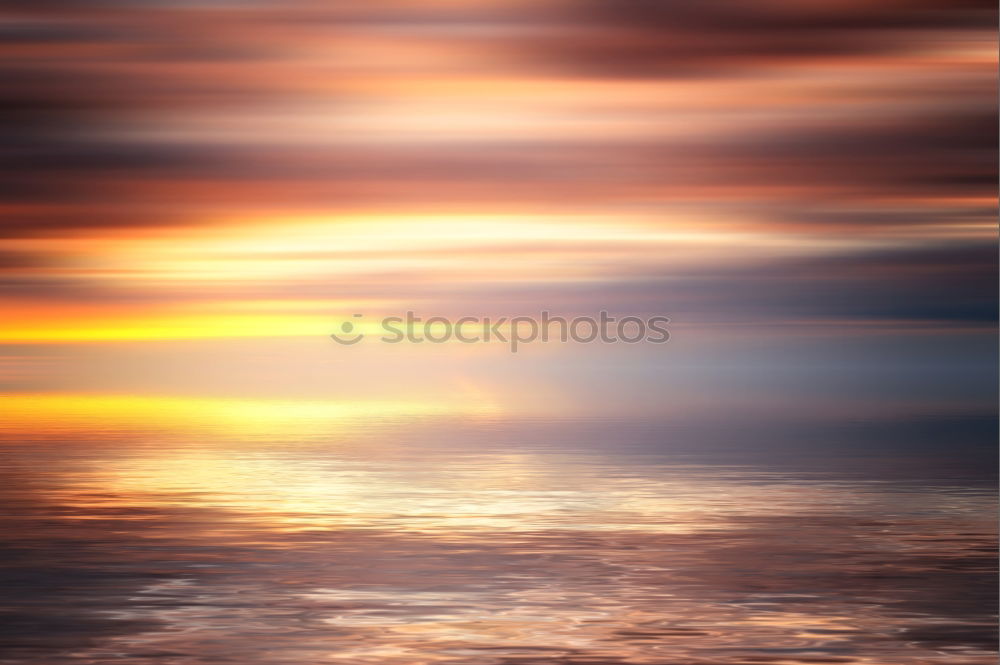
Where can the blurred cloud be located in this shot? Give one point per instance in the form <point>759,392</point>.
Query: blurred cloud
<point>196,168</point>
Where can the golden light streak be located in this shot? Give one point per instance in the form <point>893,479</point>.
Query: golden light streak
<point>102,328</point>
<point>22,412</point>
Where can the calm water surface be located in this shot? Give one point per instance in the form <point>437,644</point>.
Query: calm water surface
<point>486,541</point>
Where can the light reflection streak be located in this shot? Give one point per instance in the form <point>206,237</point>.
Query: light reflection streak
<point>354,539</point>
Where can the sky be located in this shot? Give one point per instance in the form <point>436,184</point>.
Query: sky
<point>198,193</point>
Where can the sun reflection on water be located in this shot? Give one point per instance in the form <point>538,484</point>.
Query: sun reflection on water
<point>393,534</point>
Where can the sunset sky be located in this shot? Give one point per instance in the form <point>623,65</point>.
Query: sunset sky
<point>200,192</point>
<point>198,195</point>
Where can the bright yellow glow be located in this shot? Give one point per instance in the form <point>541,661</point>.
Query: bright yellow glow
<point>243,416</point>
<point>95,328</point>
<point>476,247</point>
